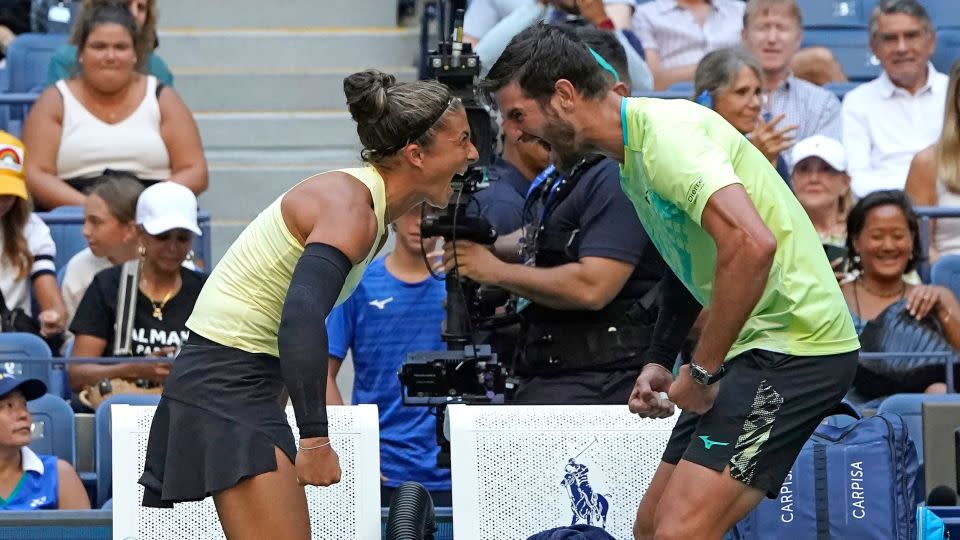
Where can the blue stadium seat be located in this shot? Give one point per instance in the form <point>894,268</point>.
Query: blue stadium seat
<point>946,272</point>
<point>910,408</point>
<point>27,356</point>
<point>948,48</point>
<point>840,89</point>
<point>54,429</point>
<point>833,13</point>
<point>27,60</point>
<point>943,13</point>
<point>684,86</point>
<point>66,229</point>
<point>850,47</point>
<point>103,446</point>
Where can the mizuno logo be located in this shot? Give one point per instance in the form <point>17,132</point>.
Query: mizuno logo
<point>708,444</point>
<point>380,304</point>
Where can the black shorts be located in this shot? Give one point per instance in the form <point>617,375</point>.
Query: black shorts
<point>218,422</point>
<point>768,405</point>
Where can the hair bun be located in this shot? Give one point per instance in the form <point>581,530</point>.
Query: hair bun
<point>366,93</point>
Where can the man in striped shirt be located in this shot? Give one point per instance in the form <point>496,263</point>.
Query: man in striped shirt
<point>772,32</point>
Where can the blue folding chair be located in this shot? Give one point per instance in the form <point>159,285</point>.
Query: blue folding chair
<point>27,61</point>
<point>27,356</point>
<point>103,448</point>
<point>943,13</point>
<point>840,89</point>
<point>910,408</point>
<point>948,48</point>
<point>54,431</point>
<point>833,14</point>
<point>66,229</point>
<point>682,86</point>
<point>850,47</point>
<point>946,272</point>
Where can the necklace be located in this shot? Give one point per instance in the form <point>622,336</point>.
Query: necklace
<point>884,294</point>
<point>158,306</point>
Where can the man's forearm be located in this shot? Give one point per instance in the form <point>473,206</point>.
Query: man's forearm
<point>740,279</point>
<point>558,287</point>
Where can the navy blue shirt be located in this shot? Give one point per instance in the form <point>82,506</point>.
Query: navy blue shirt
<point>602,222</point>
<point>382,321</point>
<point>501,203</point>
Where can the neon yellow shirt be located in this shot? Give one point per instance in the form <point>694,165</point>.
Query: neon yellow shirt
<point>676,155</point>
<point>241,302</point>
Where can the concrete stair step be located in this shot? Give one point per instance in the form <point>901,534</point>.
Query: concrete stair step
<point>285,13</point>
<point>207,90</point>
<point>309,130</point>
<point>258,49</point>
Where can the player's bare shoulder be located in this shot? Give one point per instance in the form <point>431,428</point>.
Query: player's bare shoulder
<point>332,207</point>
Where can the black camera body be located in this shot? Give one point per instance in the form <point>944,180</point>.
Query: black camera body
<point>466,371</point>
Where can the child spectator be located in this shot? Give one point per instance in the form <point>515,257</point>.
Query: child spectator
<point>26,265</point>
<point>110,227</point>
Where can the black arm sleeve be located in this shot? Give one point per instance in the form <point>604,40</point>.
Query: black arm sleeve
<point>678,311</point>
<point>302,336</point>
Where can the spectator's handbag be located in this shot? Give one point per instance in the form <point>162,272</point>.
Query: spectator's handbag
<point>127,294</point>
<point>17,320</point>
<point>895,330</point>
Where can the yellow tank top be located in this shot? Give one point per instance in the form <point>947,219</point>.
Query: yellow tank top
<point>241,301</point>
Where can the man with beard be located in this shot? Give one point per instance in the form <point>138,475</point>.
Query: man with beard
<point>587,283</point>
<point>778,332</point>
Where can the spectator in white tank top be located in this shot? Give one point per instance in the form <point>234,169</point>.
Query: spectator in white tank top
<point>934,177</point>
<point>109,117</point>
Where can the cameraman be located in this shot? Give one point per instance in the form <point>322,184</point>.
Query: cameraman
<point>589,277</point>
<point>524,156</point>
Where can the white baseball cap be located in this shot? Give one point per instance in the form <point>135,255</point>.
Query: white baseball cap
<point>165,206</point>
<point>823,147</point>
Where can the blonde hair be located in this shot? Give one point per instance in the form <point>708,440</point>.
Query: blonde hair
<point>754,7</point>
<point>947,149</point>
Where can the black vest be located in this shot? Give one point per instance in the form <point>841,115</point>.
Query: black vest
<point>554,341</point>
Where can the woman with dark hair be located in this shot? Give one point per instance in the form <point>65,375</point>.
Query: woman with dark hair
<point>29,481</point>
<point>890,314</point>
<point>109,117</point>
<point>257,327</point>
<point>65,61</point>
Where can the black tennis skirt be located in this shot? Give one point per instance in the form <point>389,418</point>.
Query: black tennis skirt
<point>217,423</point>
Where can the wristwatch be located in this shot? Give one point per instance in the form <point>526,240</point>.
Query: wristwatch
<point>704,377</point>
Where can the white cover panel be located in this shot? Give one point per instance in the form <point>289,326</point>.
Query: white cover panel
<point>349,510</point>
